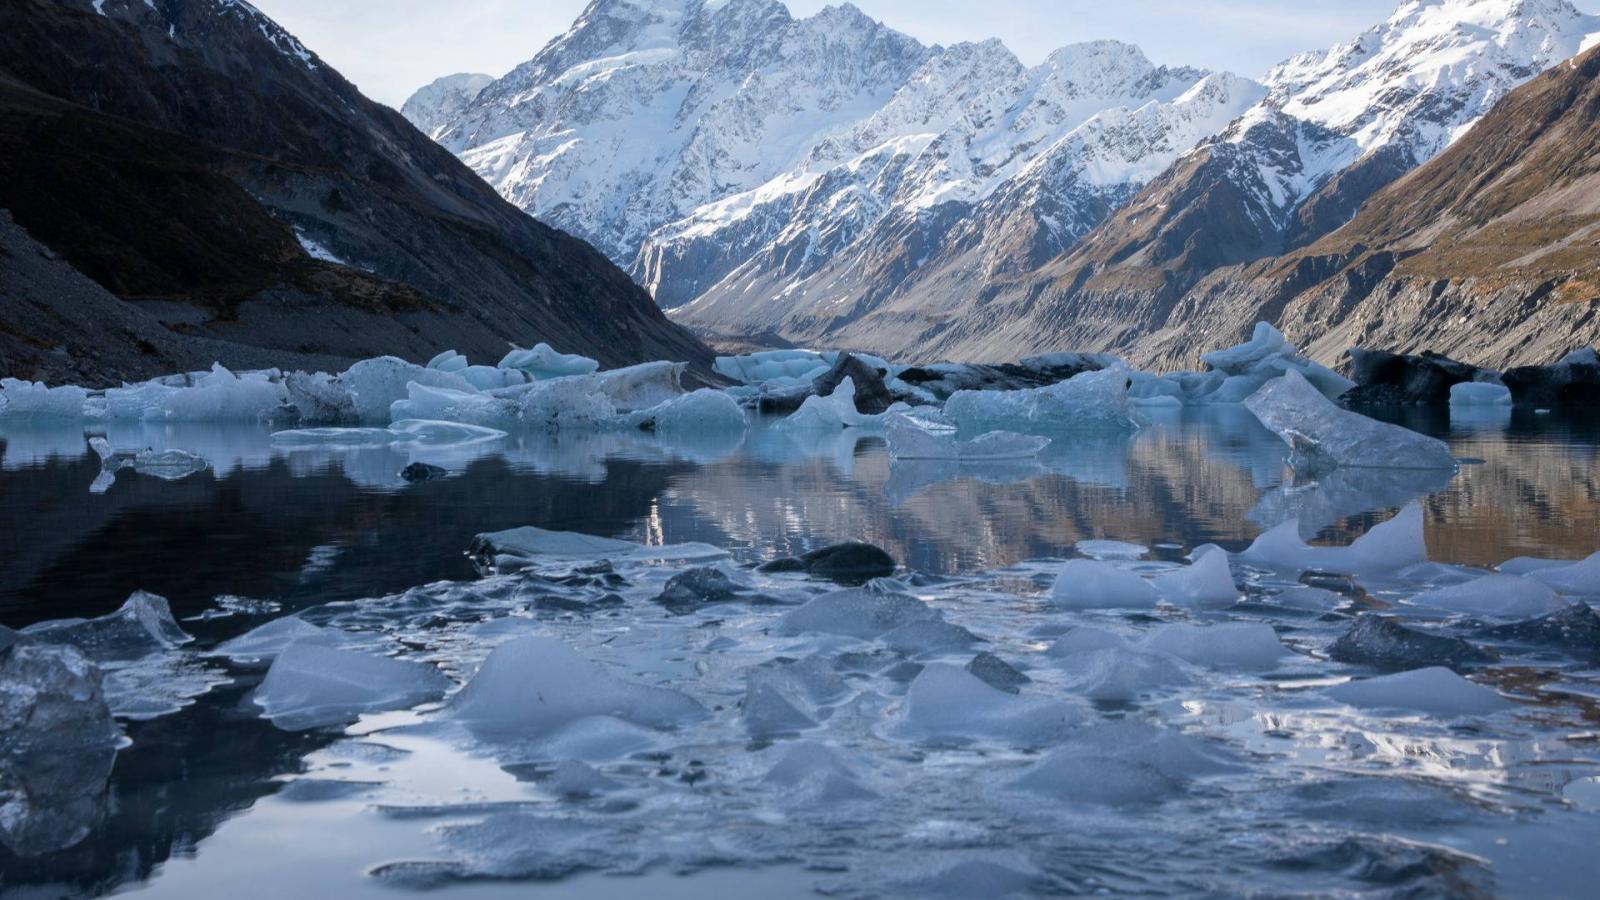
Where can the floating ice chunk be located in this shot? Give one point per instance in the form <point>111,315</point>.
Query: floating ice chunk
<point>264,643</point>
<point>1308,599</point>
<point>641,386</point>
<point>1503,596</point>
<point>815,774</point>
<point>782,697</point>
<point>310,685</point>
<point>920,638</point>
<point>448,361</point>
<point>1207,582</point>
<point>445,404</point>
<point>1091,400</point>
<point>858,613</point>
<point>1580,578</point>
<point>375,384</point>
<point>543,362</point>
<point>319,397</point>
<point>36,400</point>
<point>57,746</point>
<point>1321,435</point>
<point>1229,645</point>
<point>1115,673</point>
<point>1091,584</point>
<point>1435,690</point>
<point>534,686</point>
<point>489,378</point>
<point>1111,549</point>
<point>835,411</point>
<point>1523,565</point>
<point>697,412</point>
<point>138,402</point>
<point>576,780</point>
<point>222,396</point>
<point>1479,393</point>
<point>1123,763</point>
<point>567,404</point>
<point>515,846</point>
<point>507,548</point>
<point>142,626</point>
<point>773,365</point>
<point>949,705</point>
<point>1265,343</point>
<point>1083,639</point>
<point>50,699</point>
<point>909,440</point>
<point>1392,545</point>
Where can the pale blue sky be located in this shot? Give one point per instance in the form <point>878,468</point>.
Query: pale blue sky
<point>391,47</point>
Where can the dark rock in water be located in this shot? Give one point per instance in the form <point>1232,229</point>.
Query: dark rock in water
<point>872,395</point>
<point>688,591</point>
<point>997,673</point>
<point>418,471</point>
<point>943,379</point>
<point>1573,381</point>
<point>1383,643</point>
<point>1575,630</point>
<point>852,562</point>
<point>1388,378</point>
<point>553,602</point>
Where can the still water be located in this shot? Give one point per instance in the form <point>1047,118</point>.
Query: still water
<point>1305,796</point>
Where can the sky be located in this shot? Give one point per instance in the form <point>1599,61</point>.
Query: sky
<point>389,48</point>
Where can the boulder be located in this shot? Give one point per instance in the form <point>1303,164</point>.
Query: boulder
<point>852,562</point>
<point>1385,378</point>
<point>1572,381</point>
<point>687,591</point>
<point>1385,644</point>
<point>1575,630</point>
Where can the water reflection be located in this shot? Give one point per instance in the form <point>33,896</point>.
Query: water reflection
<point>326,521</point>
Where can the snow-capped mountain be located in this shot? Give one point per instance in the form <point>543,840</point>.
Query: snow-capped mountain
<point>438,103</point>
<point>643,112</point>
<point>696,139</point>
<point>972,128</point>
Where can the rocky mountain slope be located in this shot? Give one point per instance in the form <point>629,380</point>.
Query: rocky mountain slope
<point>1334,129</point>
<point>1487,253</point>
<point>196,162</point>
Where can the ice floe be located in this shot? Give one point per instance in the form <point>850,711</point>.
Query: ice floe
<point>1322,436</point>
<point>1435,690</point>
<point>310,685</point>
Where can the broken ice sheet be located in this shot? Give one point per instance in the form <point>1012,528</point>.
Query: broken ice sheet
<point>1322,436</point>
<point>520,547</point>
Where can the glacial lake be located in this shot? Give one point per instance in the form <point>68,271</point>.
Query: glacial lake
<point>1220,780</point>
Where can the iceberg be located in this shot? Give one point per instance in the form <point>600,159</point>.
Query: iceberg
<point>836,411</point>
<point>543,362</point>
<point>1435,691</point>
<point>222,396</point>
<point>310,686</point>
<point>1321,435</point>
<point>1389,546</point>
<point>375,384</point>
<point>535,686</point>
<point>36,400</point>
<point>910,439</point>
<point>1480,393</point>
<point>469,407</point>
<point>1092,584</point>
<point>1092,401</point>
<point>694,413</point>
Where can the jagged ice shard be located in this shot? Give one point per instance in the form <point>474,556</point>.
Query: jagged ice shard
<point>1322,436</point>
